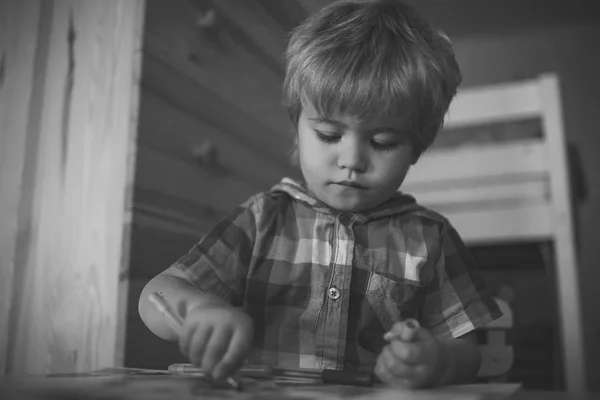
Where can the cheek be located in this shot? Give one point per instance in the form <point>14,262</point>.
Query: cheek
<point>311,165</point>
<point>312,153</point>
<point>394,169</point>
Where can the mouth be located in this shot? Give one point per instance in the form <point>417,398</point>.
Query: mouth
<point>350,184</point>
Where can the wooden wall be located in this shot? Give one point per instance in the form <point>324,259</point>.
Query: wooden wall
<point>19,26</point>
<point>69,74</point>
<point>212,132</point>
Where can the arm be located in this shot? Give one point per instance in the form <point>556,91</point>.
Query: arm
<point>466,302</point>
<point>417,359</point>
<point>455,300</point>
<point>179,293</point>
<point>211,274</point>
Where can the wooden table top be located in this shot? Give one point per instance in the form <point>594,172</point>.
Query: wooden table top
<point>119,386</point>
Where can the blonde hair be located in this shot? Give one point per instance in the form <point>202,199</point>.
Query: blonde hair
<point>370,59</point>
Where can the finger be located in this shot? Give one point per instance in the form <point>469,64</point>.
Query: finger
<point>394,332</point>
<point>409,353</point>
<point>233,357</point>
<point>406,330</point>
<point>394,365</point>
<point>215,349</point>
<point>382,372</point>
<point>185,336</point>
<point>423,335</point>
<point>387,376</point>
<point>411,328</point>
<point>198,344</point>
<point>414,380</point>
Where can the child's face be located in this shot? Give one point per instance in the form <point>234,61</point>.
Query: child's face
<point>349,164</point>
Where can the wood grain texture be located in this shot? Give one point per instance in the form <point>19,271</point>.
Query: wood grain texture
<point>67,314</point>
<point>19,28</point>
<point>288,14</point>
<point>221,63</point>
<point>138,25</point>
<point>256,30</point>
<point>187,181</point>
<point>168,129</point>
<point>182,90</point>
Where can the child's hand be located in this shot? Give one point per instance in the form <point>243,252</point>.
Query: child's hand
<point>216,338</point>
<point>411,360</point>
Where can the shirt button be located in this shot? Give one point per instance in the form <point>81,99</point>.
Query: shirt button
<point>334,293</point>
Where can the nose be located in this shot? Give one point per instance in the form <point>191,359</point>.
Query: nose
<point>352,156</point>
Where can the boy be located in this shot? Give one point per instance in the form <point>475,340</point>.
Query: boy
<point>313,274</point>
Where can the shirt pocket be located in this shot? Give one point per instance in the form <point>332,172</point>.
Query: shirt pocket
<point>388,301</point>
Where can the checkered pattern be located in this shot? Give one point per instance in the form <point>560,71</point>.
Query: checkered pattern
<point>278,255</point>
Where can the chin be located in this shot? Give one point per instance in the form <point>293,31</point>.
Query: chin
<point>348,206</point>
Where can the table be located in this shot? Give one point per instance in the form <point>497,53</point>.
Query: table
<point>114,384</point>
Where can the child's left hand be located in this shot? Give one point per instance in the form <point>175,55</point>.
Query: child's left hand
<point>411,360</point>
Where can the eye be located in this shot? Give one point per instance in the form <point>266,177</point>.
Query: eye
<point>327,137</point>
<point>389,141</point>
<point>384,146</point>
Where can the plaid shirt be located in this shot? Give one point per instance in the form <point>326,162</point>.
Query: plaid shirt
<point>323,286</point>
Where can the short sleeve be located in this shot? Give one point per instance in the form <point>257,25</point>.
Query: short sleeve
<point>456,300</point>
<point>219,262</point>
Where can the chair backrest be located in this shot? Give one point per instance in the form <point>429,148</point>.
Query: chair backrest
<point>495,345</point>
<point>513,190</point>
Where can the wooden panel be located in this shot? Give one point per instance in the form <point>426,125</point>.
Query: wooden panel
<point>220,58</point>
<point>525,159</point>
<point>187,181</point>
<point>522,223</point>
<point>176,133</point>
<point>564,236</point>
<point>501,102</point>
<point>497,133</point>
<point>174,25</point>
<point>159,211</point>
<point>481,194</point>
<point>19,29</point>
<point>247,19</point>
<point>154,249</point>
<point>68,317</point>
<point>288,14</point>
<point>184,92</point>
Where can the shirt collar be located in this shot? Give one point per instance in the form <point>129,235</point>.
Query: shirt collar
<point>399,203</point>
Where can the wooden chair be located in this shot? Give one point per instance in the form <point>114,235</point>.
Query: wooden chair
<point>510,190</point>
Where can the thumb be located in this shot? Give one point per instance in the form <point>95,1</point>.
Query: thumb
<point>406,330</point>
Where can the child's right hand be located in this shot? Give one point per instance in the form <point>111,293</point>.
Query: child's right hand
<point>217,338</point>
